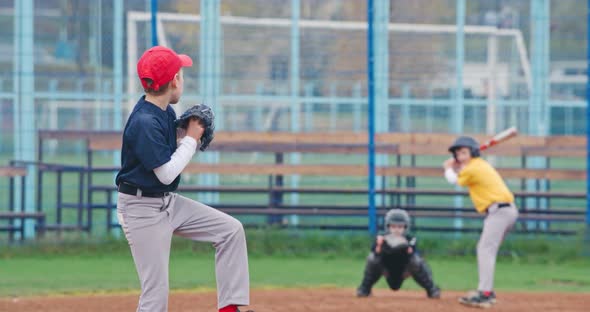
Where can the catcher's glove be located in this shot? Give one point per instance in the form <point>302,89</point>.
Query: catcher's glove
<point>394,252</point>
<point>394,244</point>
<point>206,117</point>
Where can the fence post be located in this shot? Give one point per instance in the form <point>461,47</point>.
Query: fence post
<point>587,244</point>
<point>25,126</point>
<point>458,111</point>
<point>118,14</point>
<point>16,80</point>
<point>371,115</point>
<point>154,22</point>
<point>538,123</point>
<point>210,82</point>
<point>295,98</point>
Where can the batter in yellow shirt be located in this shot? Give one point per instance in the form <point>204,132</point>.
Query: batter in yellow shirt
<point>485,184</point>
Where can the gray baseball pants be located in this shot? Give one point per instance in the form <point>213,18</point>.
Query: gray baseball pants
<point>149,224</point>
<point>496,225</point>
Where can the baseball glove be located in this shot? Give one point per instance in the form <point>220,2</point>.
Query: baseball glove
<point>394,244</point>
<point>394,253</point>
<point>206,117</point>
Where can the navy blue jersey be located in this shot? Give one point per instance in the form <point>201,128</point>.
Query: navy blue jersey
<point>149,140</point>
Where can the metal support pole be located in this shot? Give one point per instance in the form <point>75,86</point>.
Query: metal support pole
<point>458,111</point>
<point>491,113</point>
<point>588,133</point>
<point>96,60</point>
<point>295,81</point>
<point>294,65</point>
<point>458,108</point>
<point>217,53</point>
<point>204,61</point>
<point>371,114</point>
<point>118,65</point>
<point>16,107</point>
<point>538,108</point>
<point>27,113</point>
<point>80,208</point>
<point>381,63</point>
<point>492,62</point>
<point>58,200</point>
<point>210,82</point>
<point>380,112</point>
<point>11,207</point>
<point>536,104</point>
<point>154,22</point>
<point>118,14</point>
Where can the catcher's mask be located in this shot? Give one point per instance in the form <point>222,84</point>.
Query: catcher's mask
<point>397,216</point>
<point>465,141</point>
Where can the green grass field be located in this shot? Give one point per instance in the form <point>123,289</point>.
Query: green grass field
<point>279,258</point>
<point>116,273</point>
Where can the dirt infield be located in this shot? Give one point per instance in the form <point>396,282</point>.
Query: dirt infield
<point>336,300</point>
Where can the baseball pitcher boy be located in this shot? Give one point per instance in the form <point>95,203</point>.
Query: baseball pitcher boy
<point>148,209</point>
<point>491,197</point>
<point>395,256</point>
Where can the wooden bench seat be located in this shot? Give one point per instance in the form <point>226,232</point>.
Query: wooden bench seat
<point>524,216</point>
<point>356,170</point>
<point>11,172</point>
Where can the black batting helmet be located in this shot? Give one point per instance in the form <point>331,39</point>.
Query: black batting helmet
<point>468,142</point>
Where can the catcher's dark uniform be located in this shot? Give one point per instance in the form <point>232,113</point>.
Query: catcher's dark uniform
<point>396,264</point>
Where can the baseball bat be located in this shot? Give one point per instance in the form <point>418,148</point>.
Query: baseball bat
<point>499,138</point>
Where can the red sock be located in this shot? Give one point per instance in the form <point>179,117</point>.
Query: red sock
<point>229,308</point>
<point>486,293</point>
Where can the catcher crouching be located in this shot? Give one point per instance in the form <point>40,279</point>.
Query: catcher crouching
<point>394,255</point>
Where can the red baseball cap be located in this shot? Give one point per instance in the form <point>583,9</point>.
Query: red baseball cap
<point>160,64</point>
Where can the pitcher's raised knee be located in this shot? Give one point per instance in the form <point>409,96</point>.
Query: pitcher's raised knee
<point>232,230</point>
<point>238,228</point>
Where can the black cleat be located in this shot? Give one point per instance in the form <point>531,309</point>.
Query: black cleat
<point>362,293</point>
<point>433,293</point>
<point>478,299</point>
